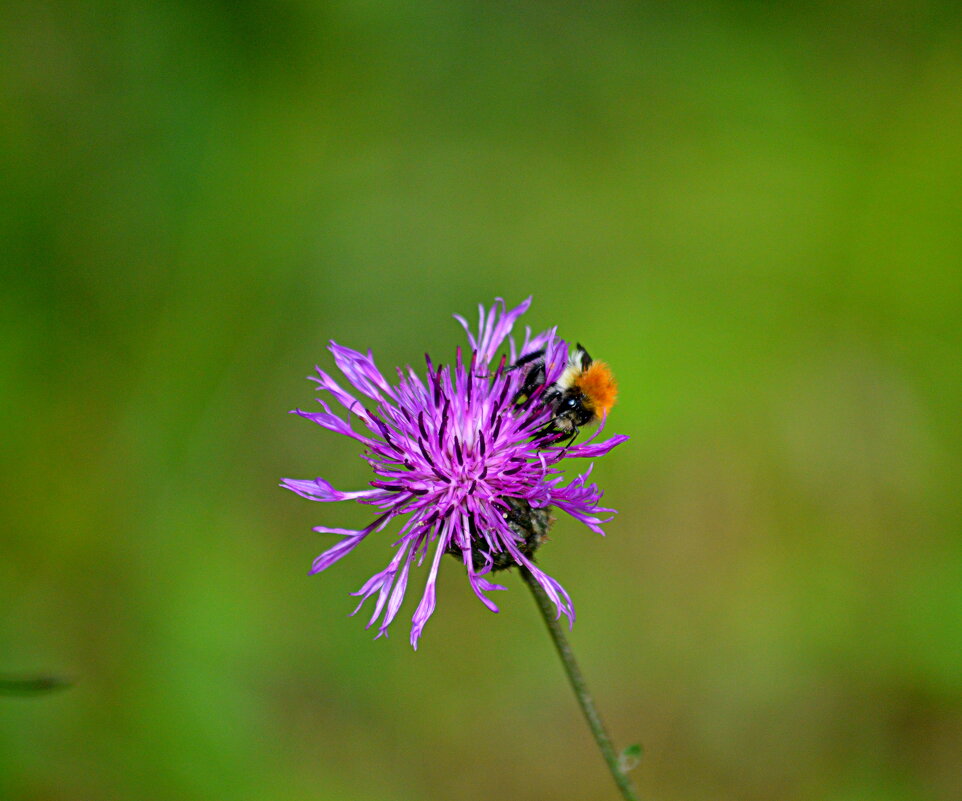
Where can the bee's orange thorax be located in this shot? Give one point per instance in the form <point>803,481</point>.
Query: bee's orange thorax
<point>598,386</point>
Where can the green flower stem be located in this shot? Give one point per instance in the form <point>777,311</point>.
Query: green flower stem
<point>549,614</point>
<point>31,685</point>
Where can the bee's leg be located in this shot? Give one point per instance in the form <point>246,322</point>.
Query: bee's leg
<point>549,430</point>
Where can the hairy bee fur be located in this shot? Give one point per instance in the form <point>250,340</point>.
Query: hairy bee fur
<point>583,394</point>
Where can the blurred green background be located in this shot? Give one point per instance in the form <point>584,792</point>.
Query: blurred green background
<point>754,213</point>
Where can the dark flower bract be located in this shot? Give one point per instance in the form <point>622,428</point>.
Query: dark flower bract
<point>456,455</point>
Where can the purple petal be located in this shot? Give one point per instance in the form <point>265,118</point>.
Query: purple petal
<point>542,341</point>
<point>380,583</point>
<point>597,448</point>
<point>559,597</point>
<point>317,489</point>
<point>346,400</point>
<point>345,546</point>
<point>397,596</point>
<point>467,330</point>
<point>486,328</point>
<point>334,423</point>
<point>591,521</point>
<point>361,371</point>
<point>426,607</point>
<point>479,584</point>
<point>580,500</point>
<point>498,328</point>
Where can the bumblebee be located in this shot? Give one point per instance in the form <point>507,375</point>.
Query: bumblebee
<point>583,394</point>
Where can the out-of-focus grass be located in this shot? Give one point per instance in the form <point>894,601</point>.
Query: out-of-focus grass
<point>754,214</point>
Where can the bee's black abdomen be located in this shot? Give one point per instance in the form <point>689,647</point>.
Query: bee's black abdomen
<point>534,377</point>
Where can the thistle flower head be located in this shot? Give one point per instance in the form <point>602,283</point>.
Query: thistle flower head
<point>467,467</point>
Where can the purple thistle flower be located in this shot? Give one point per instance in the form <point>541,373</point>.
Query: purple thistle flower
<point>459,457</point>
